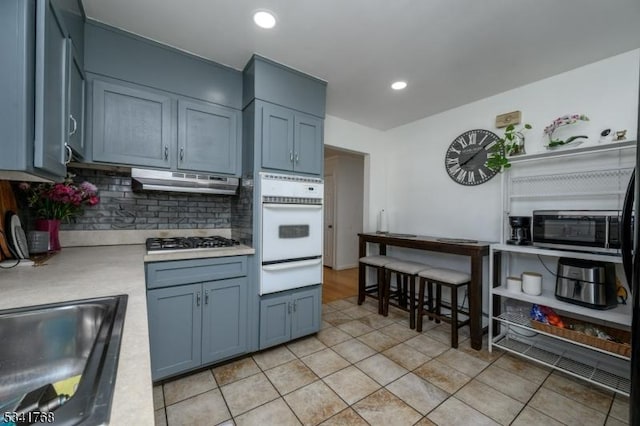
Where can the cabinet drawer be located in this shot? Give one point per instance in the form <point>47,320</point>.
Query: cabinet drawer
<point>171,273</point>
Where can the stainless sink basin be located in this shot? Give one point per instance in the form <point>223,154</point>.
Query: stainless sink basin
<point>46,344</point>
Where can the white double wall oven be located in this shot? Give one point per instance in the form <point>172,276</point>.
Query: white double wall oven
<point>291,223</point>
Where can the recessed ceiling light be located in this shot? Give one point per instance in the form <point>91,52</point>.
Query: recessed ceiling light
<point>399,85</point>
<point>264,19</point>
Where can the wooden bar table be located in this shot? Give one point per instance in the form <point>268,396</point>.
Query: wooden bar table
<point>475,250</point>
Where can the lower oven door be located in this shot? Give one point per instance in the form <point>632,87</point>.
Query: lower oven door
<point>281,276</point>
<point>291,231</point>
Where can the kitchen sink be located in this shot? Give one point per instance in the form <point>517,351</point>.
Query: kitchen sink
<point>47,344</point>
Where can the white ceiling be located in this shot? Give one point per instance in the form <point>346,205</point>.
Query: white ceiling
<point>451,52</point>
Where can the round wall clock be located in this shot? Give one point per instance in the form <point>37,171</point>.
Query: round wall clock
<point>466,157</point>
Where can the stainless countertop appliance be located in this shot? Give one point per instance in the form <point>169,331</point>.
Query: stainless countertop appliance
<point>587,283</point>
<point>166,245</point>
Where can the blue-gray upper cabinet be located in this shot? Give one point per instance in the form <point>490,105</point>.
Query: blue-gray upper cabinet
<point>131,125</point>
<point>174,329</point>
<point>50,91</point>
<point>289,315</point>
<point>208,137</point>
<point>291,140</point>
<point>76,86</point>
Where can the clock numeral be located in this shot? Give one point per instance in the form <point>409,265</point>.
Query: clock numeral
<point>463,144</point>
<point>483,176</point>
<point>483,139</point>
<point>472,177</point>
<point>452,161</point>
<point>462,175</point>
<point>451,148</point>
<point>472,138</point>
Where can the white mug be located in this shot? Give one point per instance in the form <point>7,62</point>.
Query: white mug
<point>532,283</point>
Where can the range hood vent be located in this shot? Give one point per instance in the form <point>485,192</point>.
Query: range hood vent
<point>160,180</point>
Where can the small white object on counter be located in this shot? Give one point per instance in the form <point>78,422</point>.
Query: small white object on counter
<point>532,283</point>
<point>382,222</point>
<point>514,284</point>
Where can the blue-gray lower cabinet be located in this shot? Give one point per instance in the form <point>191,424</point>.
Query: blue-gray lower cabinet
<point>288,315</point>
<point>175,329</point>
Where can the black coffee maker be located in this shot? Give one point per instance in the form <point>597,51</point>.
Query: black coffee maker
<point>520,230</point>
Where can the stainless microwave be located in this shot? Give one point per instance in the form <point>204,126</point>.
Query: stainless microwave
<point>584,230</point>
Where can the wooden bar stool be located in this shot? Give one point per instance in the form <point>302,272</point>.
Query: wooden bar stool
<point>448,278</point>
<point>406,273</point>
<point>373,290</point>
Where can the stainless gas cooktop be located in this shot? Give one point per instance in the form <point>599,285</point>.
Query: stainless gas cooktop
<point>188,243</point>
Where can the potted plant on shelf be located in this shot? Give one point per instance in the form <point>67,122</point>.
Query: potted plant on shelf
<point>55,202</point>
<point>560,122</point>
<point>512,143</point>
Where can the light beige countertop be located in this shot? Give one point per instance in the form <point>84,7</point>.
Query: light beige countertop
<point>199,253</point>
<point>86,272</point>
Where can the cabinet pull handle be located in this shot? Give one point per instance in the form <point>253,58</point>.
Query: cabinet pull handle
<point>75,125</point>
<point>198,299</point>
<point>289,307</point>
<point>166,152</point>
<point>297,157</point>
<point>182,153</point>
<point>68,152</point>
<point>291,156</point>
<point>206,297</point>
<point>295,305</point>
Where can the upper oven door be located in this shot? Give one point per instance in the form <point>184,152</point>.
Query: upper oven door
<point>291,231</point>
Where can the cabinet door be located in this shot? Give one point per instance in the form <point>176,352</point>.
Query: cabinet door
<point>76,101</point>
<point>306,312</point>
<point>51,91</point>
<point>275,321</point>
<point>175,326</point>
<point>131,125</point>
<point>308,144</point>
<point>224,319</point>
<point>208,137</point>
<point>277,137</point>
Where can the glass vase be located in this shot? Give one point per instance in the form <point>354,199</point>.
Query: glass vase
<point>53,227</point>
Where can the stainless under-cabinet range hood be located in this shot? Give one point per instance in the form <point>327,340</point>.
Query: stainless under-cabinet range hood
<point>161,180</point>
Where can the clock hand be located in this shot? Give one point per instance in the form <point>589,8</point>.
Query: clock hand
<point>483,146</point>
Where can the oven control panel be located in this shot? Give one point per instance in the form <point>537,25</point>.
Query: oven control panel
<point>293,186</point>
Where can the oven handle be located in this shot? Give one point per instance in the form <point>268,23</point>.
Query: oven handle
<point>292,206</point>
<point>291,265</point>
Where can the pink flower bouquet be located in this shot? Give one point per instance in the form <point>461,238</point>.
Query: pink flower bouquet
<point>61,201</point>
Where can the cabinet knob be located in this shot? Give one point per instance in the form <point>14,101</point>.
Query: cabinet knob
<point>206,297</point>
<point>291,156</point>
<point>182,153</point>
<point>198,299</point>
<point>74,125</point>
<point>166,152</point>
<point>297,157</point>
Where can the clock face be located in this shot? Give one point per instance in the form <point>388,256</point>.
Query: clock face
<point>466,157</point>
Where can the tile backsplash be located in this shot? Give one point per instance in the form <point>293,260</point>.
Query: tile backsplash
<point>120,208</point>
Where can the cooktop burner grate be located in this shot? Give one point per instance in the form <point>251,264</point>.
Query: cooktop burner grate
<point>181,243</point>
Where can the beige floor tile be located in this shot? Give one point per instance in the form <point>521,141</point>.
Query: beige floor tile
<point>508,383</point>
<point>327,309</point>
<point>376,321</point>
<point>306,346</point>
<point>406,356</point>
<point>370,305</point>
<point>160,417</point>
<point>565,410</point>
<point>236,370</point>
<point>399,332</point>
<point>446,378</point>
<point>186,387</point>
<point>620,408</point>
<point>352,299</point>
<point>427,345</point>
<point>355,328</point>
<point>425,422</point>
<point>418,393</point>
<point>442,333</point>
<point>346,417</point>
<point>325,362</point>
<point>612,421</point>
<point>202,410</point>
<point>337,318</point>
<point>580,391</point>
<point>341,304</point>
<point>454,412</point>
<point>353,350</point>
<point>273,357</point>
<point>315,403</point>
<point>357,312</point>
<point>378,341</point>
<point>381,369</point>
<point>462,362</point>
<point>324,325</point>
<point>332,336</point>
<point>351,384</point>
<point>482,354</point>
<point>248,393</point>
<point>158,397</point>
<point>290,376</point>
<point>531,417</point>
<point>490,402</point>
<point>273,413</point>
<point>384,408</point>
<point>229,422</point>
<point>523,368</point>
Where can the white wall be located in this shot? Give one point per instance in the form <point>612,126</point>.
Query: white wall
<point>422,199</point>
